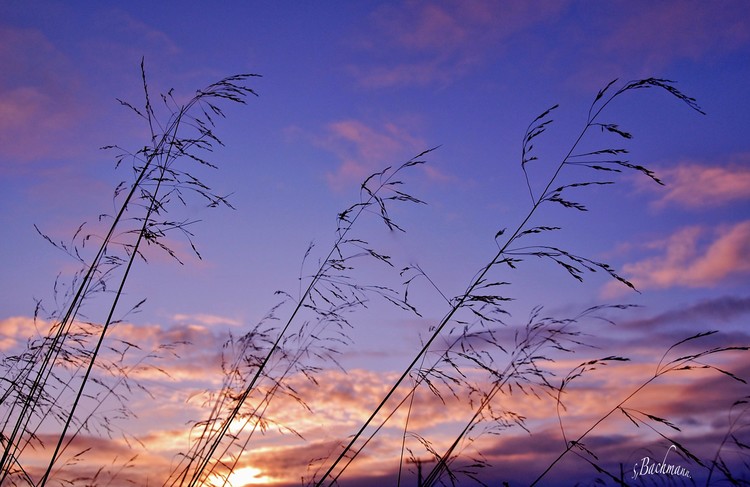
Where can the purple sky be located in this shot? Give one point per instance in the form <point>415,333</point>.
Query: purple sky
<point>348,88</point>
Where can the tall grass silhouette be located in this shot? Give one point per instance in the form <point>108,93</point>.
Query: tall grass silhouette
<point>525,355</point>
<point>256,375</point>
<point>46,385</point>
<point>477,353</point>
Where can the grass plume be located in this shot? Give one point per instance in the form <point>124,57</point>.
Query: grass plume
<point>477,354</point>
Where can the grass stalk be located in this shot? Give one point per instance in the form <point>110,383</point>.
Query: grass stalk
<point>204,451</point>
<point>681,363</point>
<point>536,128</point>
<point>165,150</point>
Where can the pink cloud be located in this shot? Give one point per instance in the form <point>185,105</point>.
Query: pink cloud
<point>433,26</point>
<point>206,319</point>
<point>38,105</point>
<point>641,40</point>
<point>340,402</point>
<point>697,186</point>
<point>15,330</point>
<point>444,40</point>
<point>364,149</point>
<point>660,32</point>
<point>92,460</point>
<point>46,100</point>
<point>417,73</point>
<point>181,352</point>
<point>438,175</point>
<point>687,260</point>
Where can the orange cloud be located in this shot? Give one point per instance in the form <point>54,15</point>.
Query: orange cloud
<point>616,439</point>
<point>90,460</point>
<point>339,402</point>
<point>687,261</point>
<point>14,330</point>
<point>282,459</point>
<point>184,352</point>
<point>697,186</point>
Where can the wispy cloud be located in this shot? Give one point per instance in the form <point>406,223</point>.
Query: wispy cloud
<point>339,402</point>
<point>183,351</point>
<point>692,257</point>
<point>46,99</point>
<point>144,37</point>
<point>442,41</point>
<point>363,148</point>
<point>92,460</point>
<point>698,186</point>
<point>717,310</point>
<point>38,106</point>
<point>436,43</point>
<point>14,330</point>
<point>144,33</point>
<point>206,319</point>
<point>638,40</point>
<point>677,30</point>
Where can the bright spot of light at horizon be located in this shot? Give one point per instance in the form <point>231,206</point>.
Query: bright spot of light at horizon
<point>242,477</point>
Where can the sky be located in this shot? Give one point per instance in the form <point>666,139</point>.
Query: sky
<point>347,89</point>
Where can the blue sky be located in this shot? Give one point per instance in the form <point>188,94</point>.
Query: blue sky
<point>348,88</point>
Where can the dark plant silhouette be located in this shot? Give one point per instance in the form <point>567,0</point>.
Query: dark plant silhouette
<point>524,363</point>
<point>39,380</point>
<point>258,373</point>
<point>477,354</point>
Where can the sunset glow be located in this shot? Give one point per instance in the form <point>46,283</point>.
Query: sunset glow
<point>455,240</point>
<point>243,477</point>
